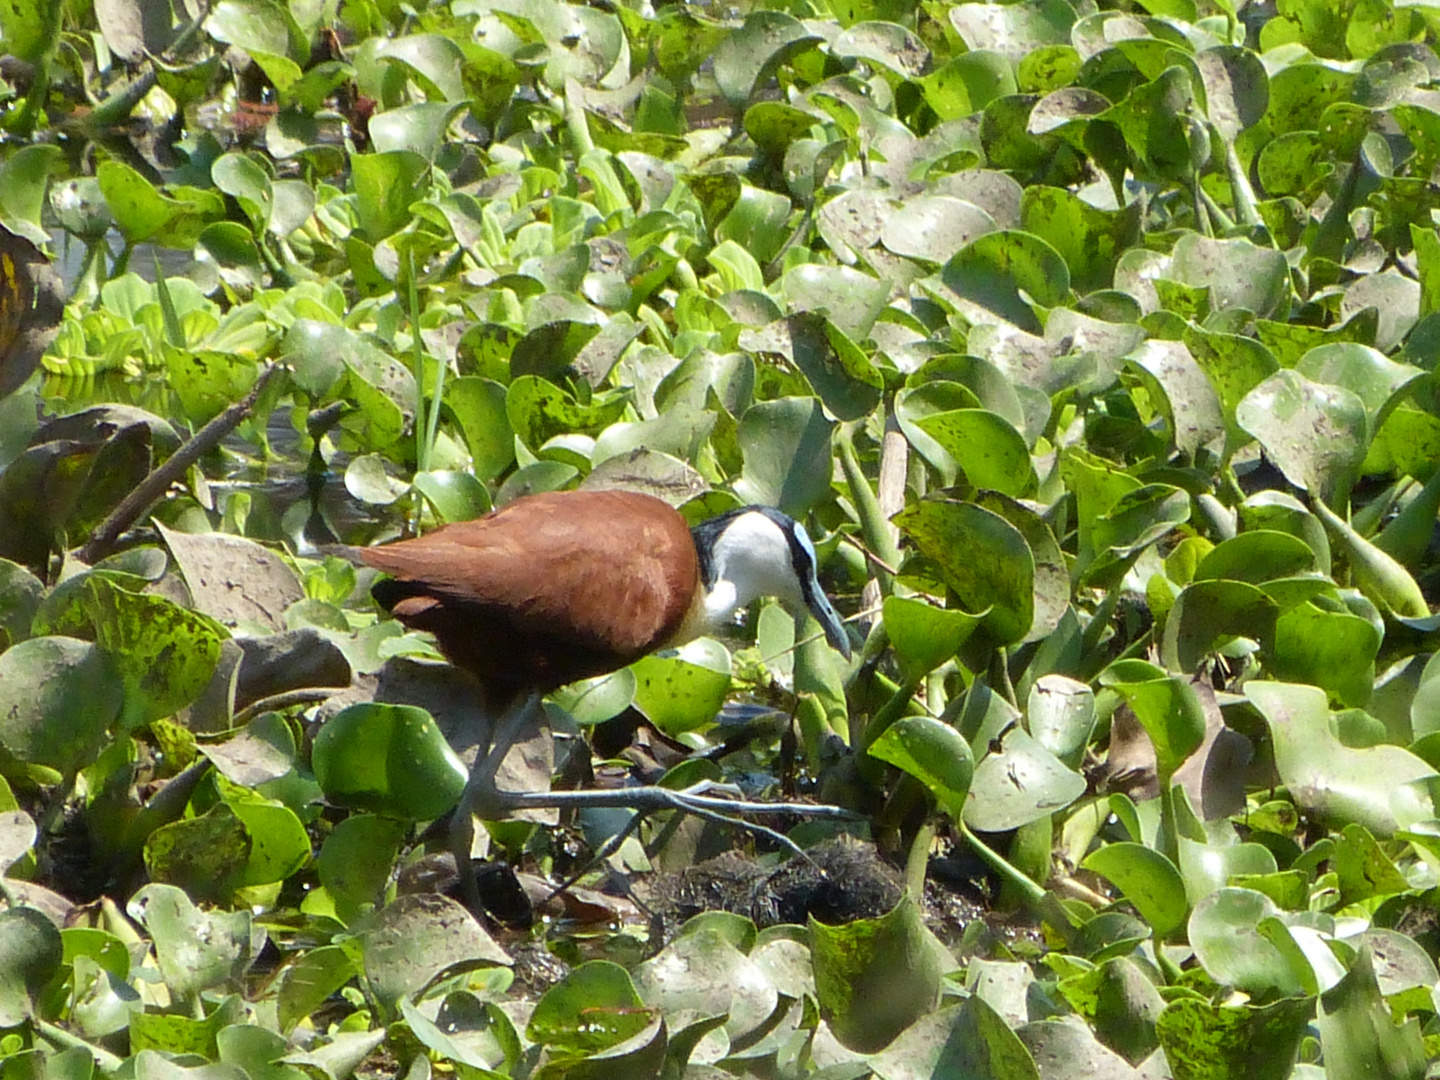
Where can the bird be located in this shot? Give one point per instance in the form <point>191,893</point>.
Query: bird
<point>560,586</point>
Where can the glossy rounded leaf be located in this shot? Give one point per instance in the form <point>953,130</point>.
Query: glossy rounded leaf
<point>1146,879</point>
<point>925,636</point>
<point>875,977</point>
<point>1004,272</point>
<point>934,753</point>
<point>990,451</point>
<point>1018,783</point>
<point>57,698</point>
<point>389,759</point>
<point>683,690</point>
<point>1224,932</point>
<point>1060,714</point>
<point>1384,788</point>
<point>1314,432</point>
<point>31,952</point>
<point>982,557</point>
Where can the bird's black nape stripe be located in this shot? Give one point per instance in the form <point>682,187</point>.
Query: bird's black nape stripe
<point>708,532</point>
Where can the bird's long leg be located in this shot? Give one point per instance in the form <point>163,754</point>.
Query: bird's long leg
<point>481,795</point>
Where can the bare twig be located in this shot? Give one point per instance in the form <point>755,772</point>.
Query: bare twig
<point>102,540</point>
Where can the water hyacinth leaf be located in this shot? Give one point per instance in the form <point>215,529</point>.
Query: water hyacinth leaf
<point>969,1039</point>
<point>1127,1004</point>
<point>1315,433</point>
<point>17,837</point>
<point>57,699</point>
<point>785,445</point>
<point>748,55</point>
<point>241,178</point>
<point>704,972</point>
<point>1212,864</point>
<point>1238,274</point>
<point>1169,710</point>
<point>924,636</point>
<point>1209,614</point>
<point>982,557</point>
<point>1386,583</point>
<point>385,186</point>
<point>851,300</point>
<point>915,403</point>
<point>388,759</point>
<point>1379,382</point>
<point>539,410</point>
<point>1334,650</point>
<point>1132,523</point>
<point>593,701</point>
<point>1237,90</point>
<point>1235,365</point>
<point>1060,713</point>
<point>234,580</point>
<point>204,855</point>
<point>876,977</point>
<point>31,952</point>
<point>1017,783</point>
<point>1181,391</point>
<point>1358,1034</point>
<point>1051,595</point>
<point>841,375</point>
<point>1383,788</point>
<point>455,495</point>
<point>417,936</point>
<point>164,654</point>
<point>142,213</point>
<point>464,1031</point>
<point>1257,556</point>
<point>197,950</point>
<point>934,227</point>
<point>594,1007</point>
<point>1147,880</point>
<point>934,753</point>
<point>421,128</point>
<point>478,406</point>
<point>684,690</point>
<point>1089,239</point>
<point>1255,1041</point>
<point>991,452</point>
<point>1071,1050</point>
<point>1002,273</point>
<point>356,859</point>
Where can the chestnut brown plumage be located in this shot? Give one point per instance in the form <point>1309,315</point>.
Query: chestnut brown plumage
<point>548,589</point>
<point>567,585</point>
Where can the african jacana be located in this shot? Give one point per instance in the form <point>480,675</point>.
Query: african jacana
<point>563,586</point>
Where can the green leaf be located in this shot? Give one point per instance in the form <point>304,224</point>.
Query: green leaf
<point>1357,1033</point>
<point>1018,783</point>
<point>57,700</point>
<point>1383,788</point>
<point>1315,433</point>
<point>593,1008</point>
<point>683,691</point>
<point>1201,1039</point>
<point>875,977</point>
<point>1146,879</point>
<point>31,952</point>
<point>786,449</point>
<point>389,759</point>
<point>1004,272</point>
<point>164,654</point>
<point>932,752</point>
<point>924,636</point>
<point>982,557</point>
